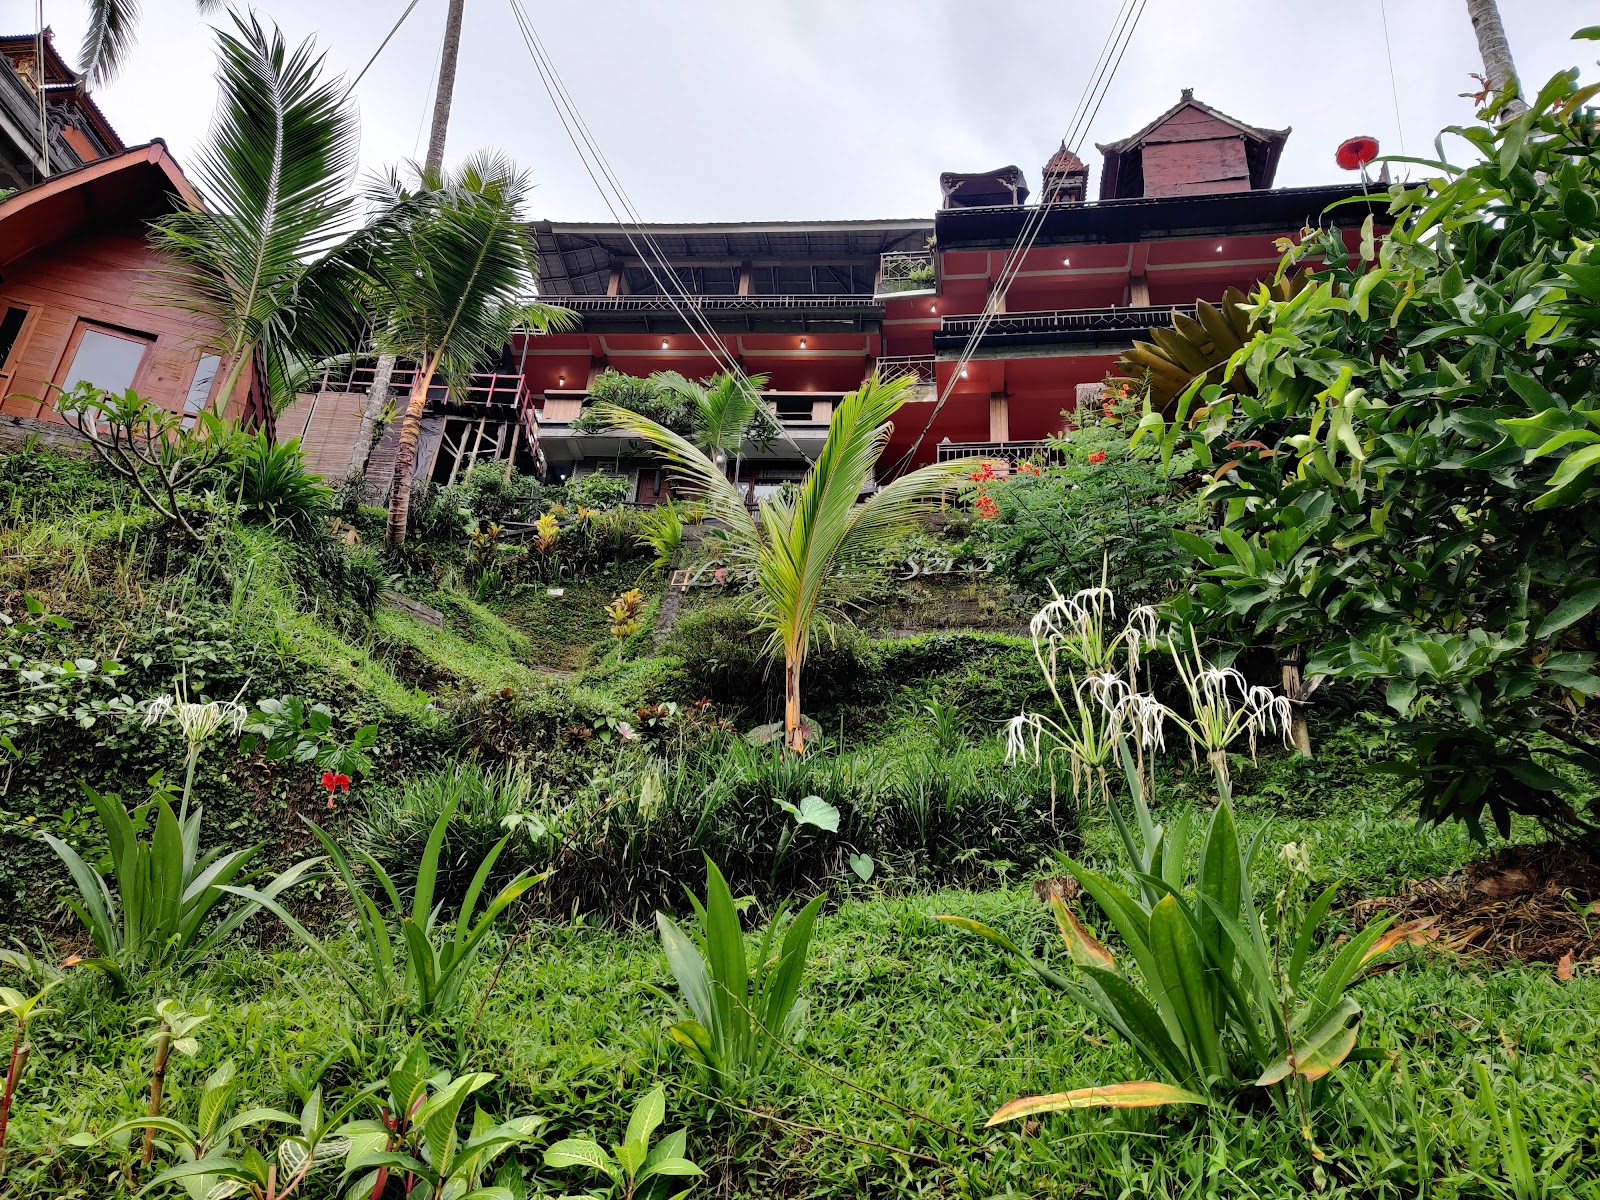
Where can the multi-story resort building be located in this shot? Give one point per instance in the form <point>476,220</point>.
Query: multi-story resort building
<point>1184,209</point>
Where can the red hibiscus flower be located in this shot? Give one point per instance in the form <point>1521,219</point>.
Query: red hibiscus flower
<point>339,782</point>
<point>1099,456</point>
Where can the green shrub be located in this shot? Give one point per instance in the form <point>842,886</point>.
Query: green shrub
<point>647,397</point>
<point>490,493</point>
<point>1089,516</point>
<point>272,484</point>
<point>598,490</point>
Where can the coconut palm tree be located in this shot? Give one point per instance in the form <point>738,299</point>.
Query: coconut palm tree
<point>451,282</point>
<point>271,255</point>
<point>800,540</point>
<point>109,38</point>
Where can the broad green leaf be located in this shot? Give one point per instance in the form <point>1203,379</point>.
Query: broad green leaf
<point>1572,609</point>
<point>581,1152</point>
<point>1320,1049</point>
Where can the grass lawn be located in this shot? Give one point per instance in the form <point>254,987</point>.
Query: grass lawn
<point>903,1013</point>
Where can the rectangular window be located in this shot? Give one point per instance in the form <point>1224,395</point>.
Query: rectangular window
<point>107,358</point>
<point>205,375</point>
<point>10,330</point>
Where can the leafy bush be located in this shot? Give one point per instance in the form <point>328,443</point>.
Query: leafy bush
<point>598,490</point>
<point>427,979</point>
<point>491,494</point>
<point>1105,512</point>
<point>1402,460</point>
<point>170,906</point>
<point>1231,999</point>
<point>738,1010</point>
<point>273,485</point>
<point>647,397</point>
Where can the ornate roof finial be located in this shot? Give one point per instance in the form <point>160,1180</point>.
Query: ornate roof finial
<point>1188,93</point>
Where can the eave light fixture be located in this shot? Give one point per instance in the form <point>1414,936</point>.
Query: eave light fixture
<point>963,372</point>
<point>802,343</point>
<point>1066,262</point>
<point>1219,247</point>
<point>933,308</point>
<point>663,343</point>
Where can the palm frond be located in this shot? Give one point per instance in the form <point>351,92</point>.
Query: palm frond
<point>262,256</point>
<point>805,531</point>
<point>456,281</point>
<point>108,39</point>
<point>701,476</point>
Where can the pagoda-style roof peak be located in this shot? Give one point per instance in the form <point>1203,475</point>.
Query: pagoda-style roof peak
<point>1064,162</point>
<point>1186,151</point>
<point>1187,100</point>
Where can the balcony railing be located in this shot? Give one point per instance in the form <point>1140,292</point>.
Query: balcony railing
<point>485,389</point>
<point>602,305</point>
<point>1069,323</point>
<point>906,271</point>
<point>1007,452</point>
<point>918,367</point>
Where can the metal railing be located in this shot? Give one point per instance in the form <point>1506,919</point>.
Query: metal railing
<point>906,271</point>
<point>659,303</point>
<point>919,367</point>
<point>484,389</point>
<point>1068,320</point>
<point>1011,452</point>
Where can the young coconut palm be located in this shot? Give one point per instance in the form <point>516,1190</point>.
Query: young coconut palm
<point>452,282</point>
<point>800,540</point>
<point>271,255</point>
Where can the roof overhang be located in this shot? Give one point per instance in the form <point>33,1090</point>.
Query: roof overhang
<point>576,257</point>
<point>138,184</point>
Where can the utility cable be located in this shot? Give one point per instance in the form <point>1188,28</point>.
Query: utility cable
<point>1394,88</point>
<point>1106,65</point>
<point>651,256</point>
<point>361,74</point>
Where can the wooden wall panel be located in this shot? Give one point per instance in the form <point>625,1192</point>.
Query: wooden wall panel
<point>110,277</point>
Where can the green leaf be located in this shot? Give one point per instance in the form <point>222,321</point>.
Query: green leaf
<point>646,1119</point>
<point>1133,1094</point>
<point>581,1152</point>
<point>1572,608</point>
<point>1321,1049</point>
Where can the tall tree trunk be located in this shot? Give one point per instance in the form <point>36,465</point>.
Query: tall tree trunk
<point>447,87</point>
<point>1498,68</point>
<point>405,459</point>
<point>377,401</point>
<point>794,731</point>
<point>1295,689</point>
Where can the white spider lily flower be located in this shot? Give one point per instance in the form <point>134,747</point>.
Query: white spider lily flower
<point>1148,717</point>
<point>1017,737</point>
<point>197,722</point>
<point>1110,690</point>
<point>1095,601</point>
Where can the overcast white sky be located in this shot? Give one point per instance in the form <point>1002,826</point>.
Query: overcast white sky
<point>794,109</point>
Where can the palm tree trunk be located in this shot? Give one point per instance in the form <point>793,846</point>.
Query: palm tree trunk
<point>405,459</point>
<point>794,732</point>
<point>1498,68</point>
<point>447,86</point>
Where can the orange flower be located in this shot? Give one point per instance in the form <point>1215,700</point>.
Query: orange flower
<point>1099,456</point>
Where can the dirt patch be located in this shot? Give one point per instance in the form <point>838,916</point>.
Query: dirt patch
<point>1524,903</point>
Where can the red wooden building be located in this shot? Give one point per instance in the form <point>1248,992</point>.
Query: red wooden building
<point>1185,209</point>
<point>81,295</point>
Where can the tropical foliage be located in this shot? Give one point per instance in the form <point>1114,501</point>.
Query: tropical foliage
<point>1402,461</point>
<point>270,254</point>
<point>449,284</point>
<point>797,541</point>
<point>739,1009</point>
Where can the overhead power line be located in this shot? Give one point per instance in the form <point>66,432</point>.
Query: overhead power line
<point>1088,107</point>
<point>614,195</point>
<point>361,74</point>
